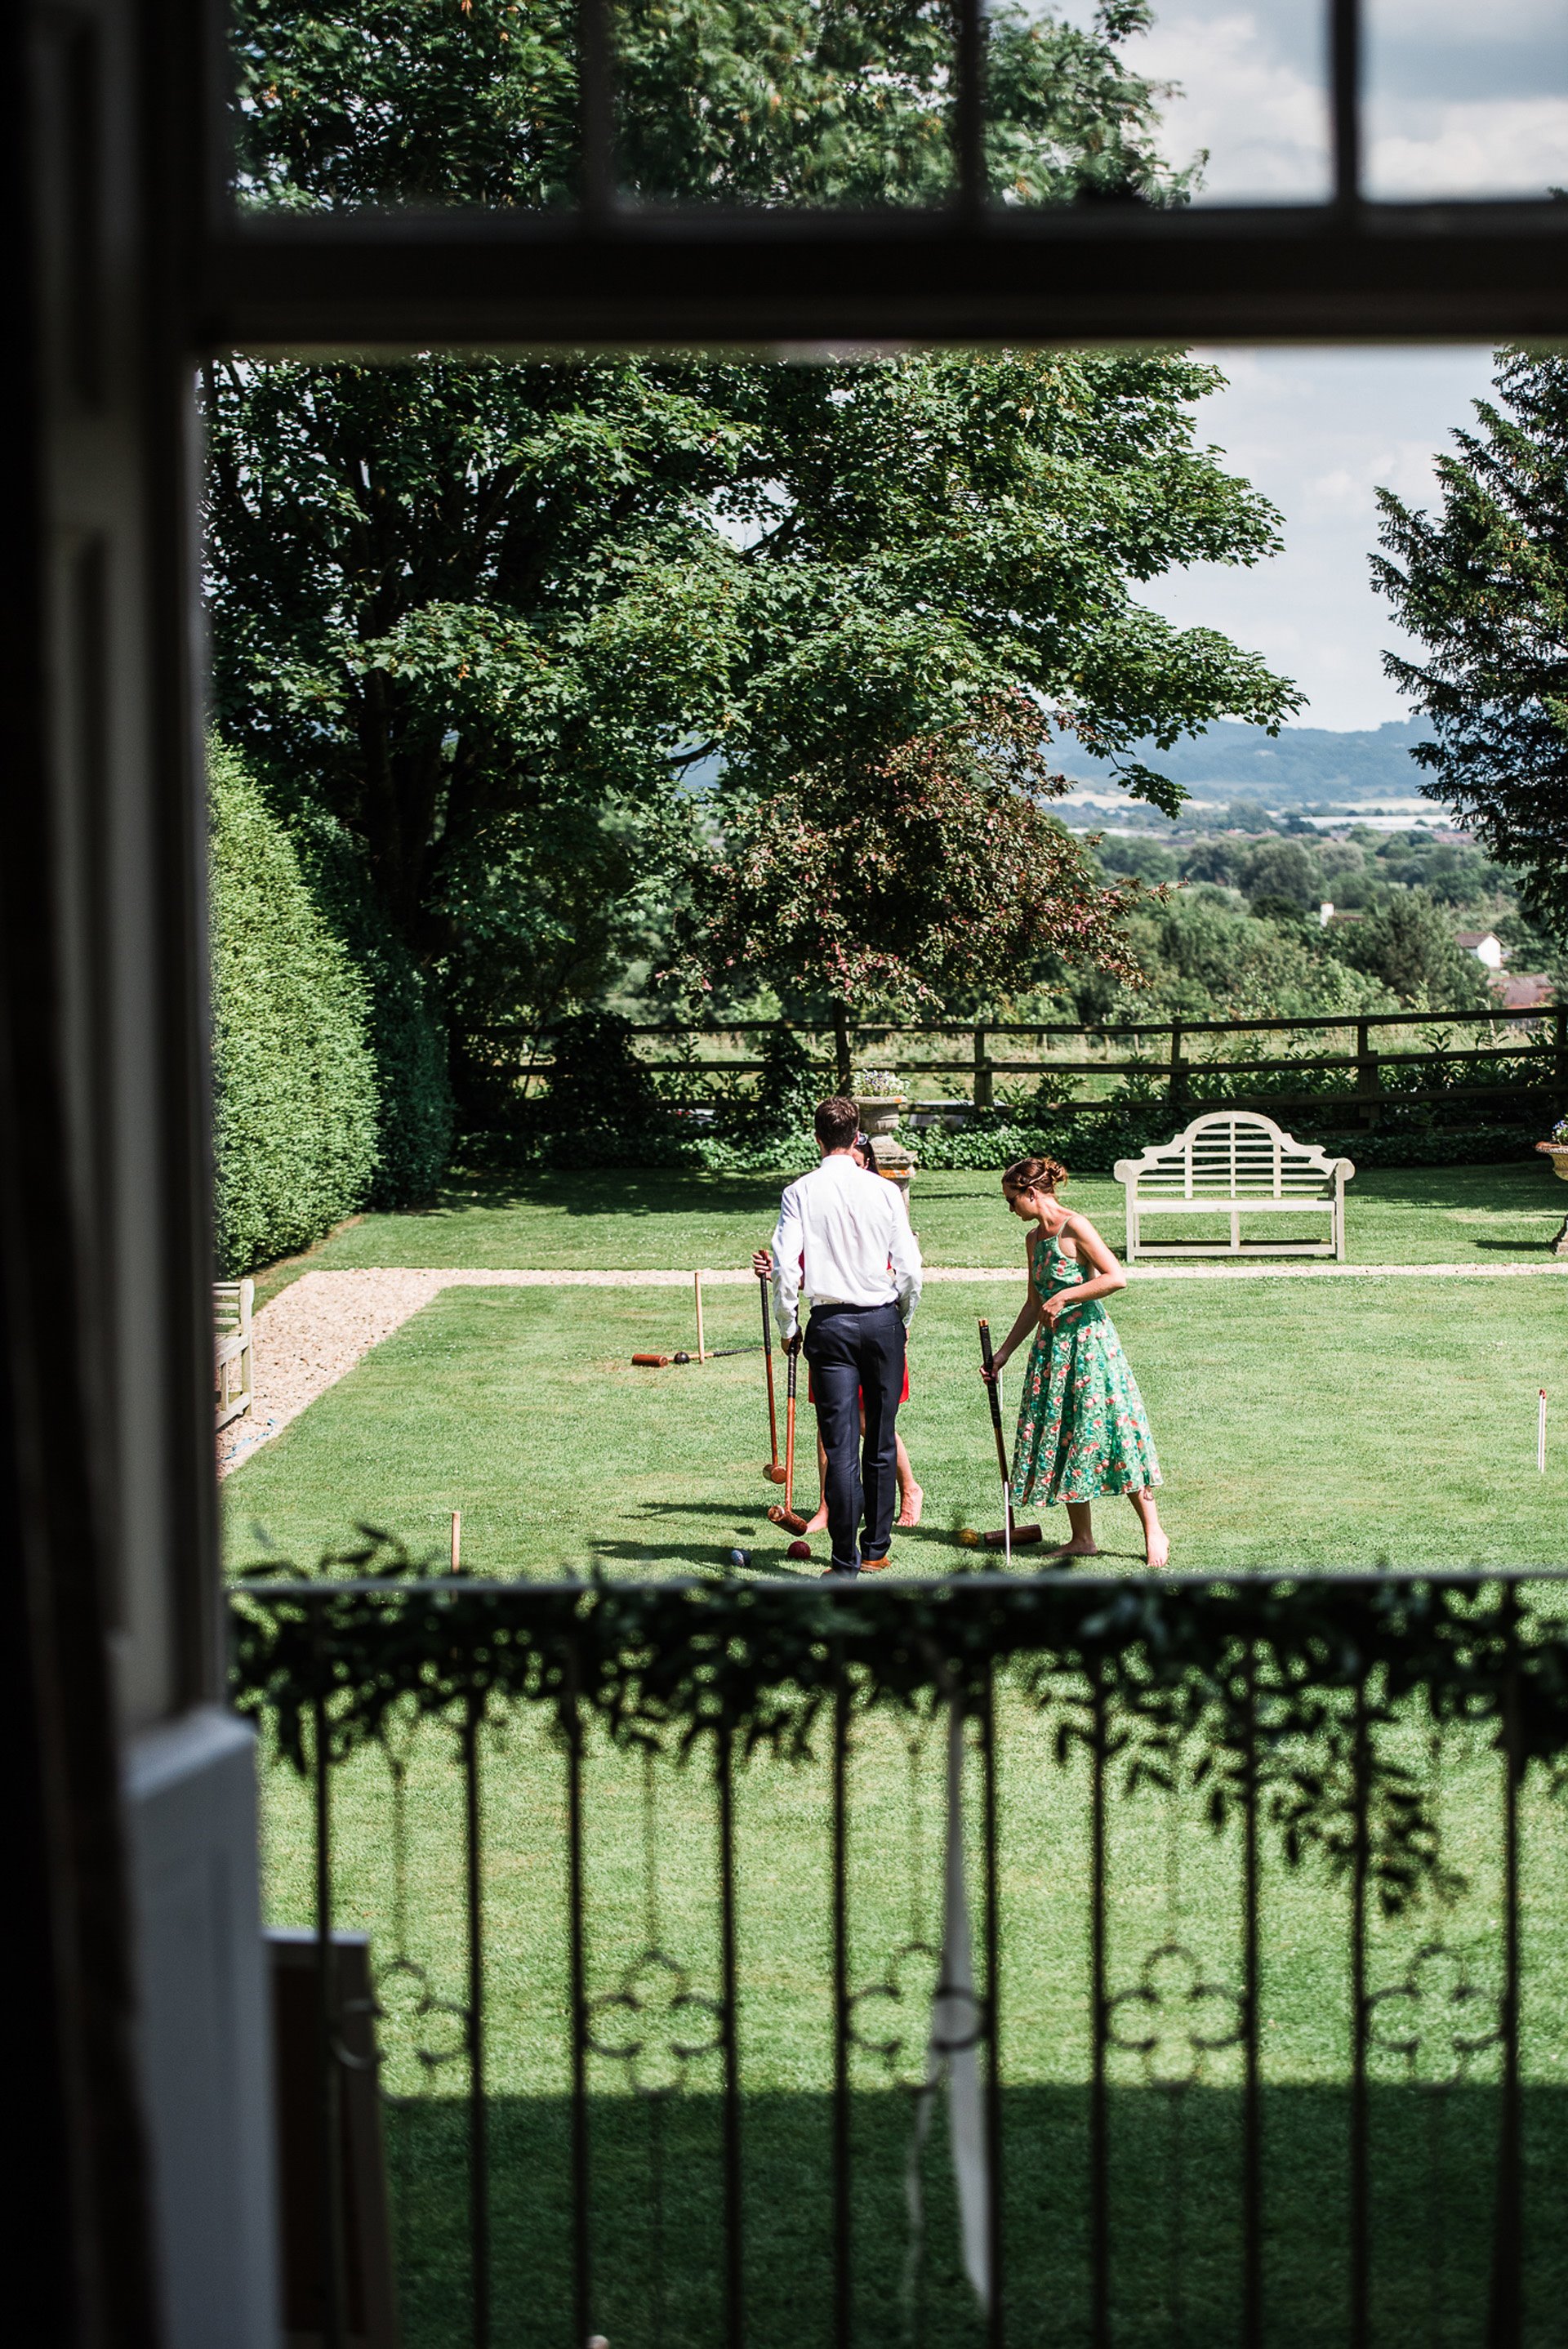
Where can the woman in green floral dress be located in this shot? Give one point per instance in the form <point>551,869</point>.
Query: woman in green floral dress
<point>1082,1429</point>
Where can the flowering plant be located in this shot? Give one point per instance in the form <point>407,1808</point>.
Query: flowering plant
<point>1560,1130</point>
<point>875,1083</point>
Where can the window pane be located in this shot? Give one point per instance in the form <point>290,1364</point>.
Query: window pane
<point>784,101</point>
<point>1193,101</point>
<point>419,102</point>
<point>1466,101</point>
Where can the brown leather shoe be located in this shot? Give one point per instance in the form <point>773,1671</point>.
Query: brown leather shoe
<point>876,1565</point>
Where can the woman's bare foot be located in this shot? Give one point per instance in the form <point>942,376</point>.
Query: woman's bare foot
<point>912,1503</point>
<point>818,1522</point>
<point>1156,1540</point>
<point>1075,1550</point>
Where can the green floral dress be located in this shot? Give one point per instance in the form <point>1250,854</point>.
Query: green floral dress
<point>1082,1428</point>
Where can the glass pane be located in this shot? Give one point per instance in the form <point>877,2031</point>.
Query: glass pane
<point>1194,101</point>
<point>749,102</point>
<point>421,102</point>
<point>1462,101</point>
<point>778,102</point>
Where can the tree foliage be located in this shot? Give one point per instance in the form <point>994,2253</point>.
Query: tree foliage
<point>527,631</point>
<point>894,883</point>
<point>1483,586</point>
<point>494,612</point>
<point>474,102</point>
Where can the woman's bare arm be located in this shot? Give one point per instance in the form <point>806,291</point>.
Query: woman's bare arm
<point>1027,1320</point>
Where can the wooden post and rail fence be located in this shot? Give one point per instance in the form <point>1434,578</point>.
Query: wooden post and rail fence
<point>1526,1053</point>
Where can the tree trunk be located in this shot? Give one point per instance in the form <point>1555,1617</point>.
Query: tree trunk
<point>842,1041</point>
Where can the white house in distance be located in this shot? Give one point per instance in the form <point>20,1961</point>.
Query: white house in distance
<point>1485,946</point>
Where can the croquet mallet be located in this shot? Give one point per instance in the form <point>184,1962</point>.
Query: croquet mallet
<point>784,1513</point>
<point>774,1474</point>
<point>1011,1533</point>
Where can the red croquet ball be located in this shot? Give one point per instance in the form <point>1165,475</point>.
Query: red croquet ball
<point>798,1550</point>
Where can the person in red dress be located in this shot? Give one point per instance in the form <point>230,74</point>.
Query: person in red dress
<point>911,1499</point>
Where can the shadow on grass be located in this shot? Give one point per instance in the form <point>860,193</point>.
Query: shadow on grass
<point>1175,2231</point>
<point>612,1191</point>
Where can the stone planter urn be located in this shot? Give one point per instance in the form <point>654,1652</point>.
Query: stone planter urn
<point>879,1111</point>
<point>1558,1154</point>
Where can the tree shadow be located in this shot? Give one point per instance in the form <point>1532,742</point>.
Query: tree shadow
<point>1173,2241</point>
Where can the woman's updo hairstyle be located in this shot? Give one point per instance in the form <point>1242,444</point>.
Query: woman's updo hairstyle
<point>1034,1175</point>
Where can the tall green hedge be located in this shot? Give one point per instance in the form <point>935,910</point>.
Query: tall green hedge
<point>407,1038</point>
<point>293,1072</point>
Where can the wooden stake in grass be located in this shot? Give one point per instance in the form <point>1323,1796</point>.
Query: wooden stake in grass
<point>1541,1432</point>
<point>701,1349</point>
<point>457,1541</point>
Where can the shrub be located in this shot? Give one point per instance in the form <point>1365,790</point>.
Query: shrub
<point>408,1039</point>
<point>295,1098</point>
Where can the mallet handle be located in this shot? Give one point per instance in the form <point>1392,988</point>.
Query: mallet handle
<point>793,1353</point>
<point>988,1358</point>
<point>768,1357</point>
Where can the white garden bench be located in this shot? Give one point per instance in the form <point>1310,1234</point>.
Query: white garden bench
<point>1237,1163</point>
<point>231,1302</point>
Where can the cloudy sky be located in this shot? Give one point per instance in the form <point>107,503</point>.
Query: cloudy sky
<point>1318,431</point>
<point>1461,99</point>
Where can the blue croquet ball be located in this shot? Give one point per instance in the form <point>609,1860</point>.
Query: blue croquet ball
<point>740,1557</point>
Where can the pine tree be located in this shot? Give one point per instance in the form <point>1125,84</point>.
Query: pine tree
<point>1484,586</point>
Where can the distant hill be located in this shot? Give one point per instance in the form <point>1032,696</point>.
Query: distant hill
<point>1302,766</point>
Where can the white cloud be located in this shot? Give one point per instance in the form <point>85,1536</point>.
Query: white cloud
<point>1246,98</point>
<point>1478,146</point>
<point>1457,102</point>
<point>1319,432</point>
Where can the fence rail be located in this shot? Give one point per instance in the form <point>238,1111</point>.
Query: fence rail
<point>683,2035</point>
<point>1529,1060</point>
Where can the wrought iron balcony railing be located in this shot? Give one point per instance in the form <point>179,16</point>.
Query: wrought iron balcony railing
<point>648,1909</point>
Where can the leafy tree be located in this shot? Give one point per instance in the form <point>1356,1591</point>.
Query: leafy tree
<point>493,612</point>
<point>1283,869</point>
<point>893,886</point>
<point>528,630</point>
<point>1408,944</point>
<point>402,101</point>
<point>1483,586</point>
<point>1201,957</point>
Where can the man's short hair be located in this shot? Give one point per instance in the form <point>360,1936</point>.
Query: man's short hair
<point>838,1123</point>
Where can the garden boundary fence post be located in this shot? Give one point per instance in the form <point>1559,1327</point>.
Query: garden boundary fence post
<point>1178,1066</point>
<point>1560,1039</point>
<point>982,1071</point>
<point>1368,1076</point>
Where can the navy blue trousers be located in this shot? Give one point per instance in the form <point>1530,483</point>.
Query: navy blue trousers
<point>856,1353</point>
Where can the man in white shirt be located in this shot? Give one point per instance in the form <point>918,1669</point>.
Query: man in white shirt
<point>840,1236</point>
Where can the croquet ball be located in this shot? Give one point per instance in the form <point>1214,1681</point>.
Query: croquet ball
<point>680,1357</point>
<point>798,1550</point>
<point>968,1537</point>
<point>740,1557</point>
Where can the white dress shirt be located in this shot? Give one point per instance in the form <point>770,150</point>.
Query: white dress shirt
<point>843,1237</point>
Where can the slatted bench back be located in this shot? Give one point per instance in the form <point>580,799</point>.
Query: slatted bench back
<point>1233,1156</point>
<point>1235,1159</point>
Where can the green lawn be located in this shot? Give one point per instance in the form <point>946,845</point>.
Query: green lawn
<point>624,1220</point>
<point>1175,2167</point>
<point>1299,1424</point>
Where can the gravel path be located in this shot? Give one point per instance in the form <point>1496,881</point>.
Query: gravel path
<point>319,1327</point>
